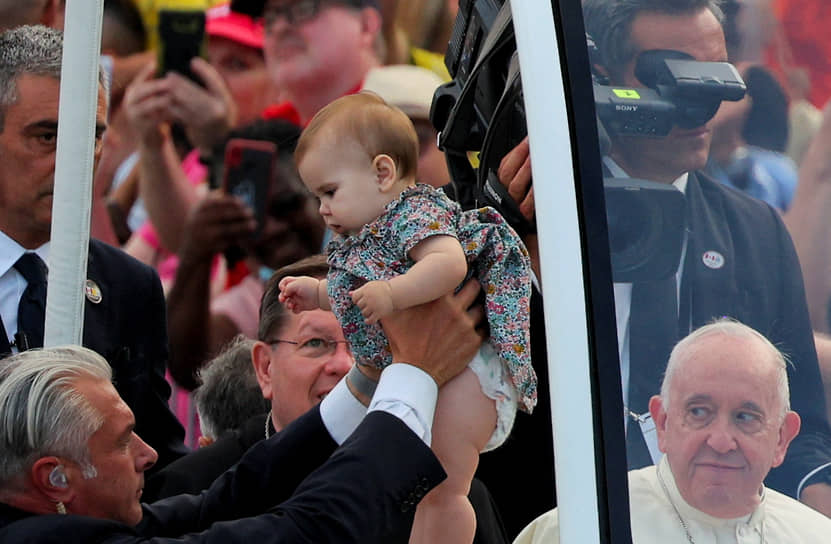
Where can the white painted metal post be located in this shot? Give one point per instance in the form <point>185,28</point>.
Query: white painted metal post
<point>73,173</point>
<point>562,270</point>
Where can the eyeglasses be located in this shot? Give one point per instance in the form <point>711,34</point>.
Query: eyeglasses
<point>312,348</point>
<point>299,11</point>
<point>293,12</point>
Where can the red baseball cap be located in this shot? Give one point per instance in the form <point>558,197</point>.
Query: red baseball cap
<point>237,27</point>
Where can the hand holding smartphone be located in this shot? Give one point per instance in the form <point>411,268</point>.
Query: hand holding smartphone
<point>181,37</point>
<point>249,167</point>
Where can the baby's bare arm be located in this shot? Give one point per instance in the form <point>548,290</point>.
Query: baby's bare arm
<point>301,293</point>
<point>440,267</point>
<point>323,295</point>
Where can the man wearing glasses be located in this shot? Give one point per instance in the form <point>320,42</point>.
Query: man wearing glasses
<point>298,360</point>
<point>316,50</point>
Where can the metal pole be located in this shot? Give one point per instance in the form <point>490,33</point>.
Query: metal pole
<point>73,173</point>
<point>561,271</point>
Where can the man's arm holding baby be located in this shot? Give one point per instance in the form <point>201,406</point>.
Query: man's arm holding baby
<point>440,266</point>
<point>431,343</point>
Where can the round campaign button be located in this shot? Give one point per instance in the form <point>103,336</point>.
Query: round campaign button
<point>713,259</point>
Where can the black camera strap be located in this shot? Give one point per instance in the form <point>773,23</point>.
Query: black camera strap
<point>491,189</point>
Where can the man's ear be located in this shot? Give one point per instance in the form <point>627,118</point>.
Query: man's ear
<point>50,477</point>
<point>370,25</point>
<point>659,416</point>
<point>386,173</point>
<point>52,14</point>
<point>787,431</point>
<point>602,74</point>
<point>261,359</point>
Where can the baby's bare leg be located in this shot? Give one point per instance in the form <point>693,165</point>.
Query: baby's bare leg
<point>464,422</point>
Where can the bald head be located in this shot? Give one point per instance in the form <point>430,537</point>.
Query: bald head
<point>687,348</point>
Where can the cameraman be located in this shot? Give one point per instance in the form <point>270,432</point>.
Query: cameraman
<point>738,261</point>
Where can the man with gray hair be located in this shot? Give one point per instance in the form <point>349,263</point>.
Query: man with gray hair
<point>124,315</point>
<point>341,472</point>
<point>229,393</point>
<point>64,432</point>
<point>723,421</point>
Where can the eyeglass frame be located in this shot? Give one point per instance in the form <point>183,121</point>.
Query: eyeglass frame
<point>332,345</point>
<point>269,16</point>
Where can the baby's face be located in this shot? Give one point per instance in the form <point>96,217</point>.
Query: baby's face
<point>346,183</point>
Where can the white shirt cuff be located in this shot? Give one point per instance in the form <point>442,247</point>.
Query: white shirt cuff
<point>341,412</point>
<point>410,394</point>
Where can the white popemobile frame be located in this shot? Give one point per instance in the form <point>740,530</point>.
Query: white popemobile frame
<point>72,199</point>
<point>561,269</point>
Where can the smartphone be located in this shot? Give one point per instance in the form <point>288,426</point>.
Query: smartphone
<point>181,37</point>
<point>247,173</point>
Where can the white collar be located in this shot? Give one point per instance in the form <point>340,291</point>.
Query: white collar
<point>664,473</point>
<point>617,171</point>
<point>11,251</point>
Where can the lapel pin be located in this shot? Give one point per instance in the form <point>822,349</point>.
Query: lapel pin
<point>713,259</point>
<point>92,291</point>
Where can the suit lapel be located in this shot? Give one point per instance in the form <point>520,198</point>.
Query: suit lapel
<point>97,318</point>
<point>709,265</point>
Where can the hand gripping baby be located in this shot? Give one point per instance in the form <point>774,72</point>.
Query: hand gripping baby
<point>398,244</point>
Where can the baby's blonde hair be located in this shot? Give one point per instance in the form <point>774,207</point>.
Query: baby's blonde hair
<point>377,127</point>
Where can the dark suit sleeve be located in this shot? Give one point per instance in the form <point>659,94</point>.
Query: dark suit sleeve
<point>792,332</point>
<point>364,493</point>
<point>367,490</point>
<point>196,471</point>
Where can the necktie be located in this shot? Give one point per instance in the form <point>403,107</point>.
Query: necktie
<point>653,331</point>
<point>31,312</point>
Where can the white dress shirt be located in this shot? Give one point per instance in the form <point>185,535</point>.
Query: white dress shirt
<point>404,391</point>
<point>12,282</point>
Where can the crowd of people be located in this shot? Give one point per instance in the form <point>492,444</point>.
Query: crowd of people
<point>297,367</point>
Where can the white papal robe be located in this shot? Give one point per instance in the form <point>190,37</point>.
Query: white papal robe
<point>778,518</point>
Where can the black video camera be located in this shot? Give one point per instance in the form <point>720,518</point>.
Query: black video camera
<point>481,111</point>
<point>680,91</point>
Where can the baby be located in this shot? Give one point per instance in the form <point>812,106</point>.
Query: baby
<point>398,244</point>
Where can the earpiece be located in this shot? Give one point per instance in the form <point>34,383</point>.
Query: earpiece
<point>57,477</point>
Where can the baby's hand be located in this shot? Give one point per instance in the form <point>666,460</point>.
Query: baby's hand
<point>374,299</point>
<point>299,294</point>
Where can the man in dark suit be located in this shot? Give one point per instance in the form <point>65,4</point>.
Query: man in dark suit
<point>363,491</point>
<point>739,261</point>
<point>125,309</point>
